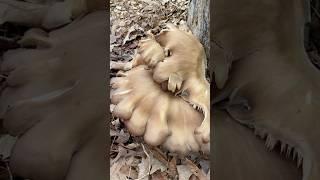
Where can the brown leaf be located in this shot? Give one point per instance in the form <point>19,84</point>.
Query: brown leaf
<point>113,38</point>
<point>113,133</point>
<point>195,170</point>
<point>159,155</point>
<point>184,172</point>
<point>132,146</point>
<point>193,177</point>
<point>158,175</point>
<point>128,171</point>
<point>115,173</point>
<point>125,169</point>
<point>123,137</point>
<point>172,171</point>
<point>144,169</point>
<point>121,153</point>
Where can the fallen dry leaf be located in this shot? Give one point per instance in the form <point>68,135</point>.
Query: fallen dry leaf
<point>123,137</point>
<point>121,153</point>
<point>195,170</point>
<point>193,177</point>
<point>172,171</point>
<point>144,170</point>
<point>184,172</point>
<point>158,175</point>
<point>159,155</point>
<point>115,173</point>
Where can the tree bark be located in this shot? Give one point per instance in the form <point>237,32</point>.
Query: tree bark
<point>198,21</point>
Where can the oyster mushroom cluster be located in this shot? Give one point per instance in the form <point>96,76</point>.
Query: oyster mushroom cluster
<point>163,94</point>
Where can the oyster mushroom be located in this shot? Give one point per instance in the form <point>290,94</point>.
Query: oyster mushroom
<point>147,110</point>
<point>184,71</point>
<point>149,53</point>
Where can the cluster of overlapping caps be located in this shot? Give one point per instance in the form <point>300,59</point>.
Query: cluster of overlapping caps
<point>163,93</point>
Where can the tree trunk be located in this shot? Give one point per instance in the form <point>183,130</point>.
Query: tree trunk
<point>198,21</point>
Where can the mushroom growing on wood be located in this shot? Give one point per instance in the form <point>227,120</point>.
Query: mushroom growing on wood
<point>159,116</point>
<point>177,115</point>
<point>184,70</point>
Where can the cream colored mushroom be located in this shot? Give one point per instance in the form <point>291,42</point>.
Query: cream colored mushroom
<point>184,70</point>
<point>149,109</point>
<point>159,116</point>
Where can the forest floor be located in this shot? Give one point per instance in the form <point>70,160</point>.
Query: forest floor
<point>131,158</point>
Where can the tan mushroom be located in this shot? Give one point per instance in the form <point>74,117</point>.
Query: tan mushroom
<point>159,113</point>
<point>159,116</point>
<point>149,52</point>
<point>184,70</point>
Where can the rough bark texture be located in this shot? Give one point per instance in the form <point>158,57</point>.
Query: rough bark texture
<point>198,21</point>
